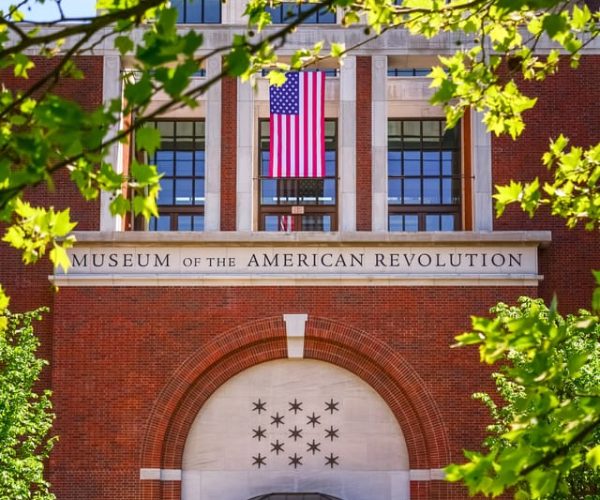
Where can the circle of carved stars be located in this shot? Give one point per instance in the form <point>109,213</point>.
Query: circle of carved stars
<point>259,461</point>
<point>295,433</point>
<point>331,460</point>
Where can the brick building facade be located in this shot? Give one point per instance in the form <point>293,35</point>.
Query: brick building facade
<point>160,357</point>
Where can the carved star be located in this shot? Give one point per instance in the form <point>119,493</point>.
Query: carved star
<point>259,406</point>
<point>296,461</point>
<point>314,419</point>
<point>331,406</point>
<point>259,461</point>
<point>277,447</point>
<point>313,447</point>
<point>259,433</point>
<point>295,433</point>
<point>277,419</point>
<point>296,406</point>
<point>331,460</point>
<point>331,433</point>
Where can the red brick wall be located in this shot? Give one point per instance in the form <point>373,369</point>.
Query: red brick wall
<point>112,367</point>
<point>567,103</point>
<point>228,153</point>
<point>363,143</point>
<point>29,287</point>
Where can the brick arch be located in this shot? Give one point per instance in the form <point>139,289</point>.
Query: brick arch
<point>263,340</point>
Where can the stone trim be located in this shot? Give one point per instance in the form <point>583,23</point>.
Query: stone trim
<point>160,474</point>
<point>295,327</point>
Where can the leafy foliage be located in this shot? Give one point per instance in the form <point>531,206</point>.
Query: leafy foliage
<point>25,416</point>
<point>545,439</point>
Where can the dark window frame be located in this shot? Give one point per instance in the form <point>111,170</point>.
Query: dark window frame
<point>184,15</point>
<point>422,210</point>
<point>291,184</point>
<point>176,210</point>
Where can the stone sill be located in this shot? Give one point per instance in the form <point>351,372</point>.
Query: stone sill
<point>241,238</point>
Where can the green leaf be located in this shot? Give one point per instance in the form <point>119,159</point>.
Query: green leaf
<point>148,139</point>
<point>592,457</point>
<point>124,44</point>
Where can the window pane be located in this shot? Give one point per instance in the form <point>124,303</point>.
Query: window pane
<point>184,165</point>
<point>309,190</point>
<point>412,191</point>
<point>447,191</point>
<point>448,222</point>
<point>412,163</point>
<point>328,192</point>
<point>199,164</point>
<point>394,191</point>
<point>330,161</point>
<point>165,195</point>
<point>164,162</point>
<point>193,15</point>
<point>198,223</point>
<point>272,223</point>
<point>432,223</point>
<point>431,163</point>
<point>161,223</point>
<point>395,163</point>
<point>264,163</point>
<point>212,11</point>
<point>184,129</point>
<point>431,191</point>
<point>268,194</point>
<point>326,17</point>
<point>411,223</point>
<point>166,129</point>
<point>396,223</point>
<point>316,223</point>
<point>199,192</point>
<point>447,162</point>
<point>183,192</point>
<point>184,223</point>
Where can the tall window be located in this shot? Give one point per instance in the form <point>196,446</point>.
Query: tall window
<point>288,11</point>
<point>424,180</point>
<point>299,204</point>
<point>181,161</point>
<point>198,11</point>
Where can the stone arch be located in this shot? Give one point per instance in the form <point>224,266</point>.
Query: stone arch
<point>262,340</point>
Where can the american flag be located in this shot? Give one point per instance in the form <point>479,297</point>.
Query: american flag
<point>298,126</point>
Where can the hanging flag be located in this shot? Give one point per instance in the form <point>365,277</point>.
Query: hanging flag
<point>297,126</point>
<point>286,223</point>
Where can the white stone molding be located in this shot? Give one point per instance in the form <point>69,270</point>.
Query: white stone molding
<point>481,158</point>
<point>212,207</point>
<point>347,147</point>
<point>295,327</point>
<point>245,156</point>
<point>111,89</point>
<point>427,474</point>
<point>379,144</point>
<point>160,474</point>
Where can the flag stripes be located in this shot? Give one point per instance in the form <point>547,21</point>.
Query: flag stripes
<point>297,126</point>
